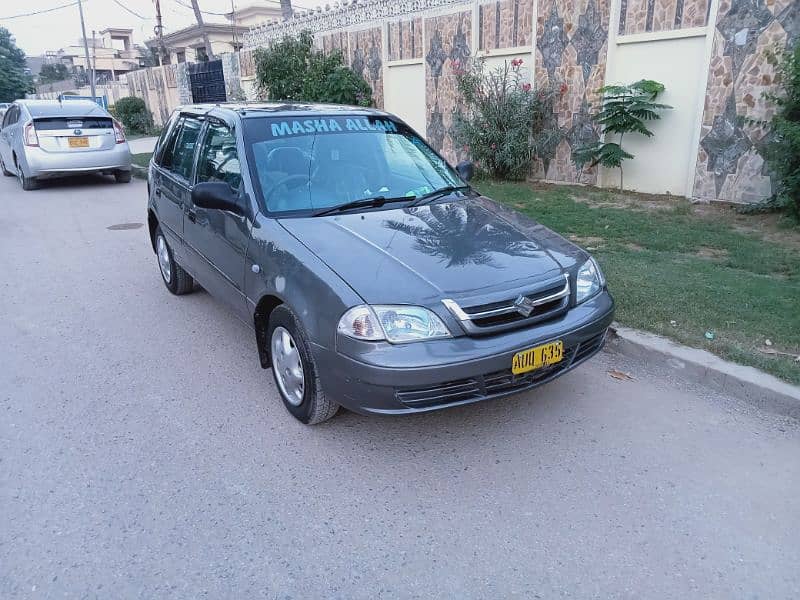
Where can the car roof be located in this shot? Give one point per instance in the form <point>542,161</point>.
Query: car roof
<point>65,108</point>
<point>283,109</point>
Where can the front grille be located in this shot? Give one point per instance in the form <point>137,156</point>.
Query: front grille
<point>497,383</point>
<point>546,302</point>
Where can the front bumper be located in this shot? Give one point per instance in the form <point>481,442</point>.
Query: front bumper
<point>426,376</point>
<point>42,164</point>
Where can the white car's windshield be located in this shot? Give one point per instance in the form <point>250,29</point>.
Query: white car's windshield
<point>311,164</point>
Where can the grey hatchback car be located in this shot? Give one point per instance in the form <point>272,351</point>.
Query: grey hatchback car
<point>373,275</point>
<point>41,139</point>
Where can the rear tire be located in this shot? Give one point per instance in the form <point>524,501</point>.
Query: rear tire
<point>123,176</point>
<point>27,183</point>
<point>178,281</point>
<point>295,372</point>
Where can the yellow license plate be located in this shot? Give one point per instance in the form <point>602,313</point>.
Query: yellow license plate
<point>538,357</point>
<point>79,142</point>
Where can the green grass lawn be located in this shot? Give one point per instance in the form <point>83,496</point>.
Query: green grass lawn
<point>142,159</point>
<point>681,270</point>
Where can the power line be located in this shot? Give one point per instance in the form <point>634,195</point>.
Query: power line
<point>205,12</point>
<point>135,14</point>
<point>217,14</point>
<point>39,12</point>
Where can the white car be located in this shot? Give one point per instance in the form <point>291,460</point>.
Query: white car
<point>40,139</point>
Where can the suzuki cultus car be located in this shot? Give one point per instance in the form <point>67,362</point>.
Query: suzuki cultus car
<point>373,275</point>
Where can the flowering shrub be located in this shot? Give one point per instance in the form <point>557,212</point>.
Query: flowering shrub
<point>501,122</point>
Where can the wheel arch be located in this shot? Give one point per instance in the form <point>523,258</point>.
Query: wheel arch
<point>264,308</point>
<point>152,225</point>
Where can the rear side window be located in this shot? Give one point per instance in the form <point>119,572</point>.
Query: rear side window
<point>219,159</point>
<point>11,116</point>
<point>179,153</point>
<point>163,139</point>
<point>55,123</point>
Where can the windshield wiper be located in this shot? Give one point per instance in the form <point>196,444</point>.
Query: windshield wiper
<point>374,202</point>
<point>439,193</point>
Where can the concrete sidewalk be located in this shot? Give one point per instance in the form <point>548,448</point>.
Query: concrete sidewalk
<point>142,145</point>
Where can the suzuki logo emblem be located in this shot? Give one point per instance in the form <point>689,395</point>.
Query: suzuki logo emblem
<point>524,305</point>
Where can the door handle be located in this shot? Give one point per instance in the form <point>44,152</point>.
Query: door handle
<point>192,216</point>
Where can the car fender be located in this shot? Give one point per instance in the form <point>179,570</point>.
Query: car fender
<point>280,266</point>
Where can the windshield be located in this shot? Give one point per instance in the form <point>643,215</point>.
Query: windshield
<point>301,165</point>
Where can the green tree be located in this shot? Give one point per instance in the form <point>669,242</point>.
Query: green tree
<point>625,109</point>
<point>14,82</point>
<point>53,72</point>
<point>293,70</point>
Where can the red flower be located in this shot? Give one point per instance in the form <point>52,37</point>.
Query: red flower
<point>526,87</point>
<point>517,62</point>
<point>494,146</point>
<point>563,89</point>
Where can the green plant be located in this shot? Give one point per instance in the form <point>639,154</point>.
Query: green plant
<point>625,108</point>
<point>14,83</point>
<point>501,122</point>
<point>53,72</point>
<point>782,147</point>
<point>293,70</point>
<point>133,114</point>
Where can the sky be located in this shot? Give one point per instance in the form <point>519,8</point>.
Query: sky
<point>54,30</point>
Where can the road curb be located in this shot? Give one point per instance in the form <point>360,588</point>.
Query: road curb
<point>139,172</point>
<point>746,383</point>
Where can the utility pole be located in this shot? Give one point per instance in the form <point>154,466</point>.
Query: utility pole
<point>94,59</point>
<point>159,31</point>
<point>86,49</point>
<point>206,42</point>
<point>233,25</point>
<point>286,9</point>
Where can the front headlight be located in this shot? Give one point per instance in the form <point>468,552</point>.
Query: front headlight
<point>589,282</point>
<point>393,323</point>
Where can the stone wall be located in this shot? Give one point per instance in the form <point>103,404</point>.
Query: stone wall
<point>366,59</point>
<point>567,44</point>
<point>641,16</point>
<point>404,39</point>
<point>446,41</point>
<point>571,49</point>
<point>729,166</point>
<point>505,24</point>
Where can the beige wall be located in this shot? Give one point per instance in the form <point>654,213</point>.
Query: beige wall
<point>404,88</point>
<point>662,163</point>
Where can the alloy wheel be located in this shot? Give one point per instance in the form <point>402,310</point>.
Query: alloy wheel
<point>287,366</point>
<point>164,262</point>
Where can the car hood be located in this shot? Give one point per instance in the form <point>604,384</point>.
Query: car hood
<point>452,249</point>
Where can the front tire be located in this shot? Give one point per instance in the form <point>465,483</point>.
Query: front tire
<point>5,171</point>
<point>177,280</point>
<point>295,371</point>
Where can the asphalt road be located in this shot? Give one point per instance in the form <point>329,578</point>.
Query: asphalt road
<point>145,454</point>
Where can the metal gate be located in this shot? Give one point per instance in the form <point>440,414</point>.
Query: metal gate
<point>207,81</point>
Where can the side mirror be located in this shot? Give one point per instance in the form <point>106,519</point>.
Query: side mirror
<point>466,169</point>
<point>216,195</point>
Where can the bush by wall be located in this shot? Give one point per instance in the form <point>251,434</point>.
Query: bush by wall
<point>782,148</point>
<point>133,114</point>
<point>501,122</point>
<point>293,70</point>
